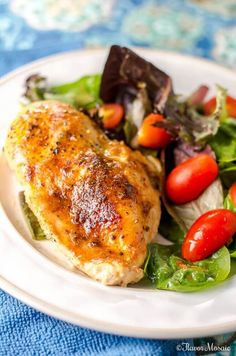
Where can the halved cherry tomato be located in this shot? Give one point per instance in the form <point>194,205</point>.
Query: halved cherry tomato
<point>189,179</point>
<point>111,114</point>
<point>232,193</point>
<point>210,105</point>
<point>150,136</point>
<point>210,232</point>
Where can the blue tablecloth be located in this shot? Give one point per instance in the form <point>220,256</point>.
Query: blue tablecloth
<point>24,331</point>
<point>33,29</point>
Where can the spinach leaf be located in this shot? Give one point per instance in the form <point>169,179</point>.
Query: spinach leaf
<point>229,204</point>
<point>168,271</point>
<point>169,228</point>
<point>32,222</point>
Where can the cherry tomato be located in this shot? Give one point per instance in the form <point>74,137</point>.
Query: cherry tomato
<point>150,136</point>
<point>210,105</point>
<point>232,193</point>
<point>189,179</point>
<point>111,114</point>
<point>210,232</point>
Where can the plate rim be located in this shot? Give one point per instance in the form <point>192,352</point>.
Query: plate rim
<point>59,313</point>
<point>85,51</point>
<point>96,325</point>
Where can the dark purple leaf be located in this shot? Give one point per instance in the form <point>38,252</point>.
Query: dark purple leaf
<point>184,151</point>
<point>125,70</point>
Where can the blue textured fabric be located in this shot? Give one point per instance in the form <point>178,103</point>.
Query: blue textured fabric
<point>24,331</point>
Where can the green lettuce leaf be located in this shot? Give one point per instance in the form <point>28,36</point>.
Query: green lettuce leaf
<point>228,204</point>
<point>32,222</point>
<point>233,254</point>
<point>83,93</point>
<point>167,270</point>
<point>224,146</point>
<point>224,143</point>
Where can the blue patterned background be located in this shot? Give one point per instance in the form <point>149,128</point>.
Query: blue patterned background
<point>34,29</point>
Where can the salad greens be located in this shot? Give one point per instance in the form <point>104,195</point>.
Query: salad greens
<point>212,198</point>
<point>83,93</point>
<point>130,129</point>
<point>184,151</point>
<point>169,228</point>
<point>125,71</point>
<point>141,89</point>
<point>35,229</point>
<point>35,87</point>
<point>224,146</point>
<point>168,271</point>
<point>135,112</point>
<point>228,203</point>
<point>232,249</point>
<point>188,125</point>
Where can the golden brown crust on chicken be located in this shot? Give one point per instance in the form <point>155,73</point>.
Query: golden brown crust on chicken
<point>97,198</point>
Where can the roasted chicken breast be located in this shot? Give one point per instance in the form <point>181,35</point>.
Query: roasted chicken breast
<point>95,197</point>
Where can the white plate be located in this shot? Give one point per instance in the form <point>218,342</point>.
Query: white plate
<point>35,273</point>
